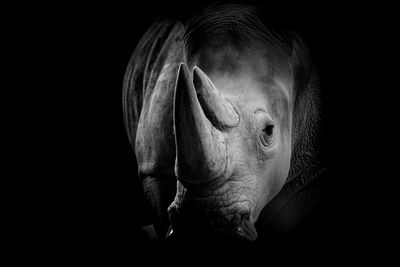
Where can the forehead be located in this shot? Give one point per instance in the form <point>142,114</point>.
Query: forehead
<point>249,79</point>
<point>252,93</point>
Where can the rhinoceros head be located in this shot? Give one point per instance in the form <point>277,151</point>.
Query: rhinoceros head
<point>233,149</point>
<point>221,116</point>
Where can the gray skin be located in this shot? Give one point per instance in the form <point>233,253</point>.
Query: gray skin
<point>215,143</point>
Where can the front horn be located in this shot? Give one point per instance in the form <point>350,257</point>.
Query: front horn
<point>201,154</point>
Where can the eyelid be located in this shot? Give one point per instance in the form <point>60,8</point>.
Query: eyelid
<point>260,110</point>
<point>266,141</point>
<point>266,117</point>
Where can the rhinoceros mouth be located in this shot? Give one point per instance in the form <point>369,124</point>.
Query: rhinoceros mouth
<point>218,216</point>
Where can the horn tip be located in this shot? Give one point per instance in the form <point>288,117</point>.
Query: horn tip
<point>183,68</point>
<point>198,78</point>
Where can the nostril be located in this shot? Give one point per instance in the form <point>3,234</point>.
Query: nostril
<point>239,217</point>
<point>246,216</point>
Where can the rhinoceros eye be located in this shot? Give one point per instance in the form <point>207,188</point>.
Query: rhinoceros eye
<point>268,130</point>
<point>266,136</point>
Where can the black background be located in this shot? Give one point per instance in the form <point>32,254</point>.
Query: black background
<point>90,199</point>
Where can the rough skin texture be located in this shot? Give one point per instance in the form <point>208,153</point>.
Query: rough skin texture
<point>149,80</point>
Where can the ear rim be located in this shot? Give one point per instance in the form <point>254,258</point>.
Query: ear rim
<point>139,71</point>
<point>306,110</point>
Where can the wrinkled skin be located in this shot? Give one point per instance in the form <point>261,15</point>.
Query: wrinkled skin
<point>258,147</point>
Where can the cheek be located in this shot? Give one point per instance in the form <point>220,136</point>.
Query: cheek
<point>274,174</point>
<point>283,153</point>
<point>276,178</point>
<point>284,156</point>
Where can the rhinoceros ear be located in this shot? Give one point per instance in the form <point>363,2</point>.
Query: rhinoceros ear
<point>157,53</point>
<point>144,68</point>
<point>306,111</point>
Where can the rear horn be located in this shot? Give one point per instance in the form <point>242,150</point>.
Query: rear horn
<point>217,109</point>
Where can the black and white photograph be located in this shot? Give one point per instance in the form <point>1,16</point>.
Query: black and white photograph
<point>210,132</point>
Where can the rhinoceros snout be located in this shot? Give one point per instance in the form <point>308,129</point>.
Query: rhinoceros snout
<point>221,215</point>
<point>236,226</point>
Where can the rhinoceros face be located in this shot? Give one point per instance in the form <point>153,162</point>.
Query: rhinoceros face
<point>233,146</point>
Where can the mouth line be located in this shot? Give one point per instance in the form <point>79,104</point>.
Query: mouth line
<point>235,225</point>
<point>204,212</point>
<point>212,215</point>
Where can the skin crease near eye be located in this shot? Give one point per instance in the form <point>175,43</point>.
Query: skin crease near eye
<point>266,136</point>
<point>264,120</point>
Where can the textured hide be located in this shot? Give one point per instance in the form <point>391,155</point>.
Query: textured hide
<point>147,104</point>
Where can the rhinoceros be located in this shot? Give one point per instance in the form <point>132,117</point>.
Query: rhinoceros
<point>222,113</point>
